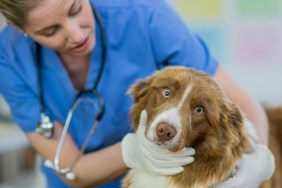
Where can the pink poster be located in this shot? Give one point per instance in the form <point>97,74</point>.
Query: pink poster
<point>259,44</point>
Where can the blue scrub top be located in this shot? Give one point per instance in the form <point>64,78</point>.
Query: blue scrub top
<point>142,36</point>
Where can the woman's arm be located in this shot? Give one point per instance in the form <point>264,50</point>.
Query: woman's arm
<point>106,164</point>
<point>249,105</point>
<point>92,169</point>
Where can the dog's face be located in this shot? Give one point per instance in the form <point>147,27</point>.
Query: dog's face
<point>185,108</point>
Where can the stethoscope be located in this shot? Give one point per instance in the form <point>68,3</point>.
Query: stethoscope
<point>46,127</point>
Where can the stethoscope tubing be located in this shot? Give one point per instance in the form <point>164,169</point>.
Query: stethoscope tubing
<point>67,123</point>
<point>56,165</point>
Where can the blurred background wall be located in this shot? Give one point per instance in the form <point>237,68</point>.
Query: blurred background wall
<point>244,35</point>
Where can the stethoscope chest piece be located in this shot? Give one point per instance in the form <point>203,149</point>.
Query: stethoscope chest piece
<point>45,127</point>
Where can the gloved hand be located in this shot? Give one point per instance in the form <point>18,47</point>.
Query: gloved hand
<point>139,152</point>
<point>253,169</point>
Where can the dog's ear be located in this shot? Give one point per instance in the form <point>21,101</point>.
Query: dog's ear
<point>232,119</point>
<point>233,115</point>
<point>139,89</point>
<point>224,114</point>
<point>226,121</point>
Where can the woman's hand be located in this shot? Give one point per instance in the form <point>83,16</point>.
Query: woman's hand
<point>139,152</point>
<point>253,169</point>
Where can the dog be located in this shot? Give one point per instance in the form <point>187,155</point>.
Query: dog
<point>187,108</point>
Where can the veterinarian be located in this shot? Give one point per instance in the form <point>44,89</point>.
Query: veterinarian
<point>56,53</point>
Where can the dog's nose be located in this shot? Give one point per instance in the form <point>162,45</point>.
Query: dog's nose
<point>165,131</point>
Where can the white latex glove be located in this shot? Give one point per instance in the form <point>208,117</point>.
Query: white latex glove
<point>253,169</point>
<point>139,152</point>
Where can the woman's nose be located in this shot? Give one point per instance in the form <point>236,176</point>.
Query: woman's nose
<point>75,33</point>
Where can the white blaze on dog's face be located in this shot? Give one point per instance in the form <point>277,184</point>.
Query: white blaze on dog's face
<point>183,107</point>
<point>167,128</point>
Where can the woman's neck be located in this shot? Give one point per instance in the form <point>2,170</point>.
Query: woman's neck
<point>77,69</point>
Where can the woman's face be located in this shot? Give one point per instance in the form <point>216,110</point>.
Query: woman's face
<point>67,26</point>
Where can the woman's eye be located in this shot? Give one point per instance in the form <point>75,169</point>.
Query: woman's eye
<point>199,109</point>
<point>75,10</point>
<point>50,32</point>
<point>166,92</point>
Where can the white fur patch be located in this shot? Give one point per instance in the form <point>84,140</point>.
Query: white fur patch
<point>172,117</point>
<point>141,178</point>
<point>186,93</point>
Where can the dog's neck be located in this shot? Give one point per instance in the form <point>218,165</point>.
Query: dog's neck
<point>210,166</point>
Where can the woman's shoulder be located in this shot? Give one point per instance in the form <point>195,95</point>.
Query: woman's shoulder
<point>12,41</point>
<point>121,4</point>
<point>16,58</point>
<point>8,35</point>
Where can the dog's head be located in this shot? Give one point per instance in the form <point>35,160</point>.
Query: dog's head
<point>185,108</point>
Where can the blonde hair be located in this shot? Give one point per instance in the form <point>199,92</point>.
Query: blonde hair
<point>15,11</point>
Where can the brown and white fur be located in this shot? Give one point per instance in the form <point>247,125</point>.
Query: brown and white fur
<point>186,108</point>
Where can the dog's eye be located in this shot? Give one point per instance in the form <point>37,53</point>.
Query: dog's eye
<point>199,109</point>
<point>166,92</point>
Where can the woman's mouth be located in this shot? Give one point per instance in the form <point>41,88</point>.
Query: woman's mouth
<point>81,47</point>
